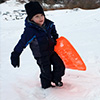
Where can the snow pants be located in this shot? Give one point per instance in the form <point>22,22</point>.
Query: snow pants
<point>50,73</point>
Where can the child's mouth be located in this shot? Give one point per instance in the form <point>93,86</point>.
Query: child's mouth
<point>41,21</point>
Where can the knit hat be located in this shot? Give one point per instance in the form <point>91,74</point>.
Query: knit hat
<point>33,8</point>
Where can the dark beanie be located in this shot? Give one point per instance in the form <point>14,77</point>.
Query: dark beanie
<point>33,8</point>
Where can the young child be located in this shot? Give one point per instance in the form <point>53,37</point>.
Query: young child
<point>41,35</point>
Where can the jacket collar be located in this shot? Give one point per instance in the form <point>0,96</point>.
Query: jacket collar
<point>47,24</point>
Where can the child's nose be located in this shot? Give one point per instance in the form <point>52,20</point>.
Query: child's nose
<point>40,17</point>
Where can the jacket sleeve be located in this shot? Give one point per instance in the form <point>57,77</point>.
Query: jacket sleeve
<point>54,32</point>
<point>26,38</point>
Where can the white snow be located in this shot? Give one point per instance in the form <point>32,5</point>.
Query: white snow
<point>81,28</point>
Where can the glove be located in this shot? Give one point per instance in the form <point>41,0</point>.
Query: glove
<point>15,61</point>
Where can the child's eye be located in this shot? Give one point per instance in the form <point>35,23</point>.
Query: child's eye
<point>41,14</point>
<point>36,16</point>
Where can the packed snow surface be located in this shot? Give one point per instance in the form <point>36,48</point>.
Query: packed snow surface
<point>80,27</point>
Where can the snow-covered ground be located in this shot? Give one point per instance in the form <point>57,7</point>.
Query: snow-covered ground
<point>80,27</point>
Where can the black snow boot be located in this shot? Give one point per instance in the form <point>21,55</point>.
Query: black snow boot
<point>59,84</point>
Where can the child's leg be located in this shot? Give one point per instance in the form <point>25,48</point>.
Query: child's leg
<point>58,68</point>
<point>46,74</point>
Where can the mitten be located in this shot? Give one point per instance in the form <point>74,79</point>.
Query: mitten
<point>15,60</point>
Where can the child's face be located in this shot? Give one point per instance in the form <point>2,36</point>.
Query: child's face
<point>39,19</point>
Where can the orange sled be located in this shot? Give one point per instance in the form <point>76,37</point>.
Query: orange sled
<point>69,55</point>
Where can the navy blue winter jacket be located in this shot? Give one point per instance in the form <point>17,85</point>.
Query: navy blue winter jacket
<point>41,39</point>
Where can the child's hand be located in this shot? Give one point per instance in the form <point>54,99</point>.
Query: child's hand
<point>15,59</point>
